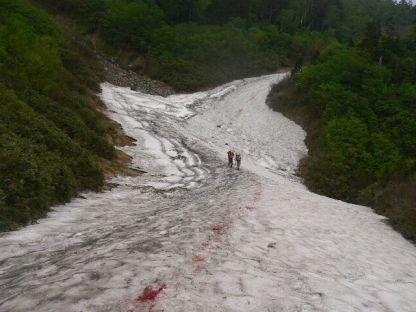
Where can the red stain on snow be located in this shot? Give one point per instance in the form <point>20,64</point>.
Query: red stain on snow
<point>218,229</point>
<point>198,258</point>
<point>149,294</point>
<point>250,206</point>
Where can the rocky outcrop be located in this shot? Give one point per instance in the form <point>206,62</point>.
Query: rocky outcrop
<point>128,78</point>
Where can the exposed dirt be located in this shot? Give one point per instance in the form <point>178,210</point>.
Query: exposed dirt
<point>115,136</point>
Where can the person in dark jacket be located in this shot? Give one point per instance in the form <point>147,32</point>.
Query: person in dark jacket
<point>230,155</point>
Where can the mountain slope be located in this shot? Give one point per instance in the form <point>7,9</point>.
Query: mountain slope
<point>51,139</point>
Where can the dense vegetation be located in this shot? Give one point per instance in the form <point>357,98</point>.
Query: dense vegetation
<point>354,88</point>
<point>197,43</point>
<point>360,104</point>
<point>50,139</point>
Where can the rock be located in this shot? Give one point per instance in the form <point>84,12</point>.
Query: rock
<point>127,78</point>
<point>271,245</point>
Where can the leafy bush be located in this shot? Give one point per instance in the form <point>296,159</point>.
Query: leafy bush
<point>363,121</point>
<point>50,139</point>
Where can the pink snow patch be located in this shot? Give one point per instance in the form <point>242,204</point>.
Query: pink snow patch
<point>219,229</point>
<point>198,258</point>
<point>250,206</point>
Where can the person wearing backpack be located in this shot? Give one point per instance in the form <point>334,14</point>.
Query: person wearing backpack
<point>230,155</point>
<point>238,160</point>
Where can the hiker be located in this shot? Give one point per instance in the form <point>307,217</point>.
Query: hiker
<point>238,160</point>
<point>230,158</point>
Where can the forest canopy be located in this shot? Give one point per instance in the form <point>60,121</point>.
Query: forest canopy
<point>192,44</point>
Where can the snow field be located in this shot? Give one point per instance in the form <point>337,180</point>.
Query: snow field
<point>193,235</point>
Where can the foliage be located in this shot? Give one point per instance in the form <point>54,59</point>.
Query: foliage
<point>50,139</point>
<point>130,23</point>
<point>192,44</point>
<point>366,117</point>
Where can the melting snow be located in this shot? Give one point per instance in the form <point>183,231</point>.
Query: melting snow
<point>194,235</point>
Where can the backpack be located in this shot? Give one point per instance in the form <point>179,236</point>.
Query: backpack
<point>238,157</point>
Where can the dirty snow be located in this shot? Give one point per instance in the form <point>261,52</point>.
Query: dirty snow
<point>193,235</point>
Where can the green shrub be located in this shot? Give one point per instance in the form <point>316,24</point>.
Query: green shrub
<point>366,124</point>
<point>50,139</point>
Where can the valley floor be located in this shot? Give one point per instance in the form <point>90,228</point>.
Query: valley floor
<point>194,235</point>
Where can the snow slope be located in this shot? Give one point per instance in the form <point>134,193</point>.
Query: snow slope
<point>194,235</point>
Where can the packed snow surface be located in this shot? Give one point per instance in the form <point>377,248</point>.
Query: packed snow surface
<point>194,235</point>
